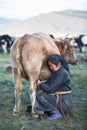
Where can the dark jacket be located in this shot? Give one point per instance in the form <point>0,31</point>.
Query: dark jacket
<point>60,80</point>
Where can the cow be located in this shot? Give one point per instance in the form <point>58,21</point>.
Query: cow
<point>81,41</point>
<point>6,42</point>
<point>29,60</point>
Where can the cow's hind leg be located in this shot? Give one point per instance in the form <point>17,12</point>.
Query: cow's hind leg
<point>33,85</point>
<point>18,90</point>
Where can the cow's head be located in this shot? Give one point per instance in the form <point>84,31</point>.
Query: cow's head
<point>67,50</point>
<point>3,43</point>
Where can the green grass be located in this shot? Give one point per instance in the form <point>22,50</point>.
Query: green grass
<point>78,116</point>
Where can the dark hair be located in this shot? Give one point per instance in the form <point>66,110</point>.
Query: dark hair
<point>56,59</point>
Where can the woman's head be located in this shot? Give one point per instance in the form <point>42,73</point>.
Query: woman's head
<point>56,60</point>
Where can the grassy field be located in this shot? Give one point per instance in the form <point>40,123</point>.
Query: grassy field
<point>78,115</point>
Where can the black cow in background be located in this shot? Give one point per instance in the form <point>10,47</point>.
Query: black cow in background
<point>6,42</point>
<point>81,40</point>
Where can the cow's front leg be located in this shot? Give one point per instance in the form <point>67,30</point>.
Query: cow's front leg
<point>18,91</point>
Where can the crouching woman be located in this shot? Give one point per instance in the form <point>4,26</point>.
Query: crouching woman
<point>54,96</point>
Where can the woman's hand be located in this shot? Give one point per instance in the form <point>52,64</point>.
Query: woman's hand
<point>38,82</point>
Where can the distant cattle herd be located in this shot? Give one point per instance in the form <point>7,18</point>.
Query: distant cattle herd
<point>6,42</point>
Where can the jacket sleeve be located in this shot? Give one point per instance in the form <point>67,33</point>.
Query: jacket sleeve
<point>55,84</point>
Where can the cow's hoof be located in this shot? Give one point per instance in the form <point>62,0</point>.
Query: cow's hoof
<point>35,115</point>
<point>15,113</point>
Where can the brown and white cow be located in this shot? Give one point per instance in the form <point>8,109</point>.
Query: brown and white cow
<point>29,60</point>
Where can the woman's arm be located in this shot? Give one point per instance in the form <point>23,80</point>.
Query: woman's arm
<point>54,85</point>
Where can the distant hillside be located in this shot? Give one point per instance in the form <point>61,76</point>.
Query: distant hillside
<point>56,23</point>
<point>74,13</point>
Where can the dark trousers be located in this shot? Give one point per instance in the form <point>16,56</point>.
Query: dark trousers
<point>48,102</point>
